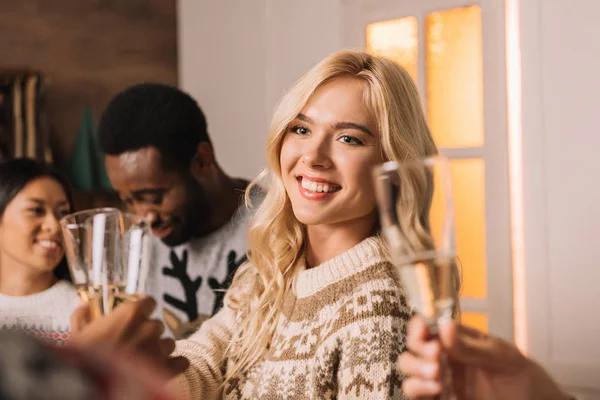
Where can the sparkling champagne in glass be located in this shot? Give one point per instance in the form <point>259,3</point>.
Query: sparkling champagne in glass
<point>107,252</point>
<point>76,239</point>
<point>118,246</point>
<point>417,220</point>
<point>129,273</point>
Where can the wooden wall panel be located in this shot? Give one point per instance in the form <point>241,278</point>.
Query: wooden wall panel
<point>90,49</point>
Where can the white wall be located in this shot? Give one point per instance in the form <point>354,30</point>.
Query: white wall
<point>299,34</point>
<point>222,65</point>
<point>237,57</point>
<point>561,105</point>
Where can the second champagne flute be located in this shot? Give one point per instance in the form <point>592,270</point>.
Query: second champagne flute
<point>417,220</point>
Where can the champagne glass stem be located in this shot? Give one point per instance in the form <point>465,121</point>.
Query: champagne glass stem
<point>446,375</point>
<point>445,370</point>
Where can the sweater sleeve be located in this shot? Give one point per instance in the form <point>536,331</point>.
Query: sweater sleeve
<point>205,351</point>
<point>206,348</point>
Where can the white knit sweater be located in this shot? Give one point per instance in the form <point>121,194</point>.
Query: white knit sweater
<point>45,314</point>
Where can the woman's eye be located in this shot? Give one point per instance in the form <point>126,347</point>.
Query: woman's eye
<point>36,211</point>
<point>350,140</point>
<point>300,130</point>
<point>63,213</point>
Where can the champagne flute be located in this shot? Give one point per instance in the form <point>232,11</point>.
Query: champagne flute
<point>119,246</point>
<point>107,252</point>
<point>417,221</point>
<point>75,240</point>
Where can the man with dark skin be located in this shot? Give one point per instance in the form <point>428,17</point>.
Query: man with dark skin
<point>160,160</point>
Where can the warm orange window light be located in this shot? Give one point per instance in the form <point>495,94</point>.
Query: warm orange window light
<point>475,320</point>
<point>468,190</point>
<point>454,68</point>
<point>397,40</point>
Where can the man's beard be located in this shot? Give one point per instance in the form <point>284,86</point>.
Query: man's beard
<point>196,216</point>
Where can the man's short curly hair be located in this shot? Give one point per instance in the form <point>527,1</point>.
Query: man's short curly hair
<point>153,115</point>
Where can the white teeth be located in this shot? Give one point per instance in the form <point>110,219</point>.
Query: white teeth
<point>316,187</point>
<point>48,244</point>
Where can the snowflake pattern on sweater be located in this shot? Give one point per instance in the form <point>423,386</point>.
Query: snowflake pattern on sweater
<point>338,337</point>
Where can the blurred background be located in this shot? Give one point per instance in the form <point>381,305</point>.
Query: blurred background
<point>510,87</point>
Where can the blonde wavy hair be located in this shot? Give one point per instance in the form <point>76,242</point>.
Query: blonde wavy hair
<point>276,238</point>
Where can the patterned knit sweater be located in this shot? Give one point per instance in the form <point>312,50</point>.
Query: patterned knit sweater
<point>45,314</point>
<point>338,337</point>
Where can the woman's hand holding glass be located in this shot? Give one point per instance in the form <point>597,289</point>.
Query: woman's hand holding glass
<point>128,327</point>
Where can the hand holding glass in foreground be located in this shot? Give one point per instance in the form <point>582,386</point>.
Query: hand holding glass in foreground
<point>484,367</point>
<point>127,327</point>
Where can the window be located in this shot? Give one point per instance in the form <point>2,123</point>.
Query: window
<point>453,95</point>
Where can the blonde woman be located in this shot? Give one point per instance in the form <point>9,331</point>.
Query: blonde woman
<point>317,311</point>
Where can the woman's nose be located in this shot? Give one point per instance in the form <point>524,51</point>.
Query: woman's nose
<point>317,153</point>
<point>51,224</point>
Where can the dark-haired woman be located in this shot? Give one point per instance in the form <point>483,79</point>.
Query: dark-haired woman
<point>36,294</point>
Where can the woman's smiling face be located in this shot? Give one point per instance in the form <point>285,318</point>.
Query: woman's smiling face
<point>328,154</point>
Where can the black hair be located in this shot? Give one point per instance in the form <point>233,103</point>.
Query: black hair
<point>153,115</point>
<point>15,174</point>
